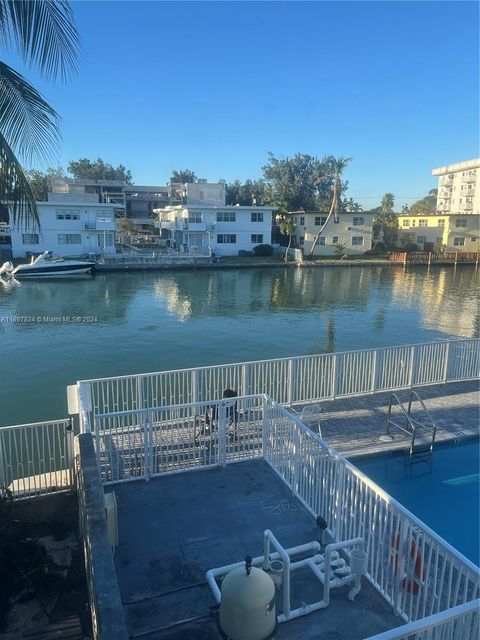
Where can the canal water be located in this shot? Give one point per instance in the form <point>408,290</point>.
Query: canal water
<point>54,332</point>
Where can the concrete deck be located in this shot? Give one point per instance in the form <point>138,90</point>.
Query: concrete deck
<point>174,528</point>
<point>354,425</point>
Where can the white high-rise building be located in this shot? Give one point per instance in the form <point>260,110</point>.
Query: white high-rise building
<point>458,189</point>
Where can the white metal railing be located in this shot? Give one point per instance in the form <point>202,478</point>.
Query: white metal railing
<point>459,623</point>
<point>36,458</point>
<point>296,380</point>
<point>148,442</point>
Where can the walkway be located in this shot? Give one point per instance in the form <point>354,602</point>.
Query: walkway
<point>353,425</point>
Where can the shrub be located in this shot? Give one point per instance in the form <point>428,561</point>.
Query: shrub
<point>263,250</point>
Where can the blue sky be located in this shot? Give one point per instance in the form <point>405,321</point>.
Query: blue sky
<point>215,86</point>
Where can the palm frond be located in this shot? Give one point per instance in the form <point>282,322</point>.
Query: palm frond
<point>44,32</point>
<point>15,190</point>
<point>27,121</point>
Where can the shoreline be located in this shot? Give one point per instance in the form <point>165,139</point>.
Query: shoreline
<point>204,265</point>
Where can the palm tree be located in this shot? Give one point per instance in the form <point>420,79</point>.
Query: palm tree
<point>287,227</point>
<point>336,166</point>
<point>385,220</point>
<point>44,34</point>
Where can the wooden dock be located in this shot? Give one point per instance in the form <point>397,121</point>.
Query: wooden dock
<point>428,258</point>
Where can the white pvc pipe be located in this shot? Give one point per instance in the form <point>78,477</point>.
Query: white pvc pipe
<point>267,538</point>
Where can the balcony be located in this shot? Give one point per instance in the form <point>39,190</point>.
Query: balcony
<point>472,177</point>
<point>448,182</point>
<point>468,206</point>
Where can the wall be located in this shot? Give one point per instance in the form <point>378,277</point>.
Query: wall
<point>108,617</point>
<point>435,232</point>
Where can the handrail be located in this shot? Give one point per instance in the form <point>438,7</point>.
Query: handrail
<point>433,426</point>
<point>412,422</point>
<point>407,416</point>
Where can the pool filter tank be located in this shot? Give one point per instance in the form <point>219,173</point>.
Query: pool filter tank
<point>247,607</point>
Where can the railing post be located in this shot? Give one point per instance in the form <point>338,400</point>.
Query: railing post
<point>374,371</point>
<point>222,434</point>
<point>146,425</point>
<point>140,392</point>
<point>291,382</point>
<point>85,406</point>
<point>245,380</point>
<point>195,385</point>
<point>266,425</point>
<point>412,362</point>
<point>69,459</point>
<point>445,370</point>
<point>334,377</point>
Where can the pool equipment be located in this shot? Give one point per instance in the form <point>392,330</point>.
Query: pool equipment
<point>328,567</point>
<point>247,607</point>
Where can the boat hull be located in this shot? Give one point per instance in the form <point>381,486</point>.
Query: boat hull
<point>54,271</point>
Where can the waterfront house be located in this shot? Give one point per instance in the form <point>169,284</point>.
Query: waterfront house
<point>353,230</point>
<point>204,224</point>
<point>71,224</point>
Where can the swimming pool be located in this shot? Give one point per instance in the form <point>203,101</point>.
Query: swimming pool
<point>444,492</point>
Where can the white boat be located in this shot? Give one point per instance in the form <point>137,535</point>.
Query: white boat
<point>46,266</point>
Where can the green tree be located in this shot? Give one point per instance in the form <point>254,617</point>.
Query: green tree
<point>385,221</point>
<point>303,181</point>
<point>125,225</point>
<point>335,168</point>
<point>99,170</point>
<point>183,176</point>
<point>251,192</point>
<point>287,228</point>
<point>350,206</point>
<point>427,205</point>
<point>41,183</point>
<point>45,36</point>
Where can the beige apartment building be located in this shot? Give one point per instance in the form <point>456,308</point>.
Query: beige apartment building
<point>456,221</point>
<point>353,230</point>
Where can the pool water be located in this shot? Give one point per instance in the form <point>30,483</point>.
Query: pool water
<point>443,493</point>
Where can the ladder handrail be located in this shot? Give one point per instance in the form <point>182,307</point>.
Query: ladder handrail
<point>411,422</point>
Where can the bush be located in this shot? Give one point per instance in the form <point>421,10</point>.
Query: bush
<point>410,248</point>
<point>243,254</point>
<point>371,252</point>
<point>263,250</point>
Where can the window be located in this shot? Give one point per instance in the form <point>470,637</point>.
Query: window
<point>320,221</point>
<point>406,223</point>
<point>423,223</point>
<point>461,222</point>
<point>68,214</point>
<point>69,238</point>
<point>301,241</point>
<point>473,239</point>
<point>226,216</point>
<point>30,238</point>
<point>459,241</point>
<point>441,222</point>
<point>302,221</point>
<point>226,238</point>
<point>357,241</point>
<point>421,239</point>
<point>358,221</point>
<point>335,240</point>
<point>413,223</point>
<point>321,241</point>
<point>257,238</point>
<point>194,217</point>
<point>256,216</point>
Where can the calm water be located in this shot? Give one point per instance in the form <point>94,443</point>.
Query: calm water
<point>445,494</point>
<point>134,323</point>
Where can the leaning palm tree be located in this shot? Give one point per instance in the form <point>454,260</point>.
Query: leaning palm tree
<point>336,166</point>
<point>287,227</point>
<point>43,32</point>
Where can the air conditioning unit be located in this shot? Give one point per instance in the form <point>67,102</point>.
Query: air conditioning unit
<point>112,519</point>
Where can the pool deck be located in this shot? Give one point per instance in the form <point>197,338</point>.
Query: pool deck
<point>174,528</point>
<point>354,425</point>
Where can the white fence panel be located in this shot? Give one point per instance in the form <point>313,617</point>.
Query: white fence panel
<point>36,458</point>
<point>290,381</point>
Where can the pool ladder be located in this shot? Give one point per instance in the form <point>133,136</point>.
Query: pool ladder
<point>422,435</point>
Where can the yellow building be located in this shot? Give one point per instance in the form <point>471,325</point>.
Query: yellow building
<point>458,232</point>
<point>456,221</point>
<point>353,230</point>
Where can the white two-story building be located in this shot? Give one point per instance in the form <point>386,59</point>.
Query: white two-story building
<point>71,225</point>
<point>205,225</point>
